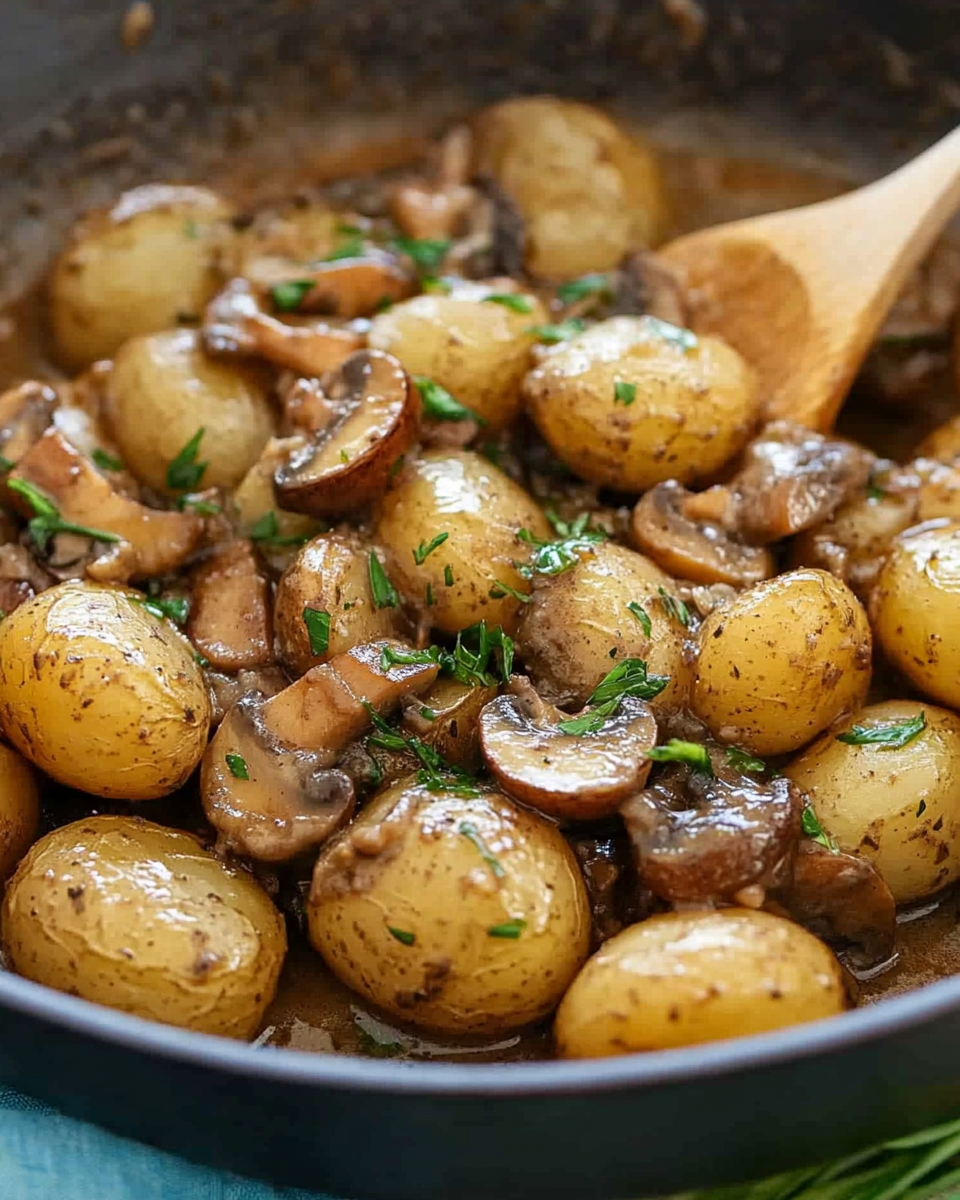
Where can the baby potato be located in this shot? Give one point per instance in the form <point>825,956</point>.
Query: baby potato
<point>783,661</point>
<point>464,914</point>
<point>19,809</point>
<point>679,979</point>
<point>578,627</point>
<point>629,404</point>
<point>330,574</point>
<point>136,268</point>
<point>589,193</point>
<point>476,348</point>
<point>100,694</point>
<point>915,606</point>
<point>141,918</point>
<point>897,806</point>
<point>163,389</point>
<point>482,510</point>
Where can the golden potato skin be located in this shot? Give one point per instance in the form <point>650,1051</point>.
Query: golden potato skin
<point>19,809</point>
<point>460,493</point>
<point>899,807</point>
<point>477,349</point>
<point>138,917</point>
<point>782,662</point>
<point>679,979</point>
<point>915,608</point>
<point>588,192</point>
<point>331,574</point>
<point>136,269</point>
<point>578,627</point>
<point>163,388</point>
<point>692,411</point>
<point>435,883</point>
<point>100,694</point>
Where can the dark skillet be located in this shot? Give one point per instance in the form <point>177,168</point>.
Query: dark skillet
<point>652,1124</point>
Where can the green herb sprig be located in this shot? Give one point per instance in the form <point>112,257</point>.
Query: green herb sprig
<point>47,521</point>
<point>629,678</point>
<point>439,405</point>
<point>693,754</point>
<point>891,735</point>
<point>184,472</point>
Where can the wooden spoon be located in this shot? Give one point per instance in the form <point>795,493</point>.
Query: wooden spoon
<point>802,293</point>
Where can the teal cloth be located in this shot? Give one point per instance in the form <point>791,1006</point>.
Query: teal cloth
<point>46,1156</point>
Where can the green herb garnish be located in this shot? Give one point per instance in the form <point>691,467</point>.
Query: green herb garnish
<point>559,332</point>
<point>448,575</point>
<point>629,678</point>
<point>430,283</point>
<point>493,648</point>
<point>810,823</point>
<point>6,464</point>
<point>287,297</point>
<point>238,766</point>
<point>174,608</point>
<point>200,660</point>
<point>500,590</point>
<point>266,529</point>
<point>184,472</point>
<point>437,775</point>
<point>587,285</point>
<point>47,521</point>
<point>439,405</point>
<point>427,548</point>
<point>472,834</point>
<point>695,756</point>
<point>105,461</point>
<point>427,253</point>
<point>555,557</point>
<point>889,736</point>
<point>390,656</point>
<point>743,760</point>
<point>197,504</point>
<point>404,936</point>
<point>429,599</point>
<point>624,393</point>
<point>637,609</point>
<point>317,621</point>
<point>683,339</point>
<point>508,929</point>
<point>351,248</point>
<point>516,303</point>
<point>675,609</point>
<point>383,592</point>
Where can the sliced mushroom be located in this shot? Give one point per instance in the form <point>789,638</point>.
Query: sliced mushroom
<point>350,462</point>
<point>230,620</point>
<point>435,208</point>
<point>686,547</point>
<point>152,542</point>
<point>306,407</point>
<point>793,479</point>
<point>647,285</point>
<point>567,776</point>
<point>349,287</point>
<point>269,781</point>
<point>235,325</point>
<point>843,899</point>
<point>702,838</point>
<point>227,688</point>
<point>25,412</point>
<point>21,578</point>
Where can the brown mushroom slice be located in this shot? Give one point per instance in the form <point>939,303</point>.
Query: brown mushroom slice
<point>25,412</point>
<point>235,325</point>
<point>152,542</point>
<point>351,287</point>
<point>648,286</point>
<point>793,479</point>
<point>230,621</point>
<point>21,577</point>
<point>843,899</point>
<point>269,781</point>
<point>447,717</point>
<point>566,776</point>
<point>226,688</point>
<point>435,209</point>
<point>702,551</point>
<point>701,838</point>
<point>349,463</point>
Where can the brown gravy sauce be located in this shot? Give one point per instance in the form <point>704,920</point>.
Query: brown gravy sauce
<point>314,1011</point>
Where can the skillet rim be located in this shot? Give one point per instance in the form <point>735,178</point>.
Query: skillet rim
<point>347,1072</point>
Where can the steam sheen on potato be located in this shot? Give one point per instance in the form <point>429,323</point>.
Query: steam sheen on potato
<point>100,694</point>
<point>141,918</point>
<point>455,913</point>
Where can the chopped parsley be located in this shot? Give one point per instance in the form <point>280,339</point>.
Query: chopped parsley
<point>429,598</point>
<point>472,834</point>
<point>516,303</point>
<point>436,774</point>
<point>383,592</point>
<point>637,609</point>
<point>491,662</point>
<point>508,929</point>
<point>555,557</point>
<point>696,756</point>
<point>629,678</point>
<point>46,520</point>
<point>587,285</point>
<point>105,461</point>
<point>200,660</point>
<point>430,283</point>
<point>344,456</point>
<point>237,765</point>
<point>174,608</point>
<point>500,590</point>
<point>6,464</point>
<point>810,823</point>
<point>427,253</point>
<point>390,656</point>
<point>439,405</point>
<point>287,297</point>
<point>197,504</point>
<point>743,760</point>
<point>184,472</point>
<point>351,248</point>
<point>682,339</point>
<point>891,735</point>
<point>675,609</point>
<point>266,529</point>
<point>427,548</point>
<point>448,575</point>
<point>559,332</point>
<point>624,393</point>
<point>404,936</point>
<point>317,621</point>
<point>427,713</point>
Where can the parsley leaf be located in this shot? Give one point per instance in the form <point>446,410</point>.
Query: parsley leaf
<point>105,461</point>
<point>317,621</point>
<point>439,405</point>
<point>629,678</point>
<point>553,558</point>
<point>197,504</point>
<point>351,248</point>
<point>501,590</point>
<point>383,592</point>
<point>743,760</point>
<point>891,735</point>
<point>266,529</point>
<point>404,936</point>
<point>47,521</point>
<point>508,929</point>
<point>174,608</point>
<point>675,609</point>
<point>390,656</point>
<point>472,834</point>
<point>287,297</point>
<point>810,823</point>
<point>624,393</point>
<point>437,775</point>
<point>448,575</point>
<point>427,253</point>
<point>426,548</point>
<point>474,667</point>
<point>238,766</point>
<point>696,756</point>
<point>587,285</point>
<point>184,472</point>
<point>516,303</point>
<point>6,464</point>
<point>559,332</point>
<point>640,613</point>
